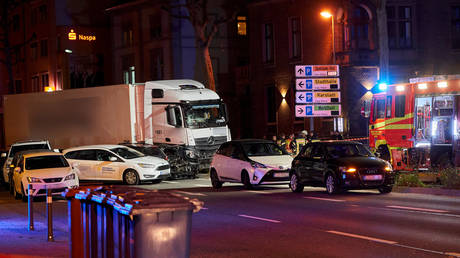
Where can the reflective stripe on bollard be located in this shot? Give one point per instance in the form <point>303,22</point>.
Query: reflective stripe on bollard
<point>49,213</point>
<point>30,207</point>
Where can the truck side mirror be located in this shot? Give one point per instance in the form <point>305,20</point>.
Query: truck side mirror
<point>170,113</point>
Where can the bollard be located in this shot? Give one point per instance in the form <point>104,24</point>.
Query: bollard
<point>49,213</point>
<point>30,207</point>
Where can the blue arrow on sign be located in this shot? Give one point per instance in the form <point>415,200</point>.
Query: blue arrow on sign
<point>308,110</point>
<point>308,70</point>
<point>309,84</point>
<point>309,97</point>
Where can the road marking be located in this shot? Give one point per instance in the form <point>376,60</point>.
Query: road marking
<point>170,182</point>
<point>259,192</point>
<point>325,199</point>
<point>189,193</point>
<point>258,218</point>
<point>419,249</point>
<point>452,254</point>
<point>203,179</point>
<point>423,212</point>
<point>416,209</point>
<point>203,185</point>
<point>363,237</point>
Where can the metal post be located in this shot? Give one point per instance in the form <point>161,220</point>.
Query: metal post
<point>30,207</point>
<point>49,213</point>
<point>333,40</point>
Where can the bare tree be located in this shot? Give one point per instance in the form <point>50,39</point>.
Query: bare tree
<point>9,54</point>
<point>382,38</point>
<point>205,27</point>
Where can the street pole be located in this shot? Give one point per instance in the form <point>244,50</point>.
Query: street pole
<point>49,213</point>
<point>333,40</point>
<point>30,207</point>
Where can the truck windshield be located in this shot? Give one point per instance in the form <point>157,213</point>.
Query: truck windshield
<point>205,115</point>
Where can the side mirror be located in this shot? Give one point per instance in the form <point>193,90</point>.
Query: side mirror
<point>171,116</point>
<point>56,150</point>
<point>113,159</point>
<point>17,170</point>
<point>3,155</point>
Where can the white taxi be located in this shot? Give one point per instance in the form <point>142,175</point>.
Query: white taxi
<point>116,163</point>
<point>251,162</point>
<point>43,170</point>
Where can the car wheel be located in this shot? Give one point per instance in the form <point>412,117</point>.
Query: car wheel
<point>245,180</point>
<point>332,187</point>
<point>385,189</point>
<point>295,184</point>
<point>216,184</point>
<point>130,177</point>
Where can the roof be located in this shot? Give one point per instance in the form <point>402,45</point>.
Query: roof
<point>41,153</point>
<point>176,91</point>
<point>98,146</point>
<point>174,84</point>
<point>26,142</point>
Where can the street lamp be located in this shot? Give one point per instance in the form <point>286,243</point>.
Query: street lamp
<point>327,15</point>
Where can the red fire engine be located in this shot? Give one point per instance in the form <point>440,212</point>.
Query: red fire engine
<point>415,125</point>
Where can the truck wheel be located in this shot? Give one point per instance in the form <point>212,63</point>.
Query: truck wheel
<point>245,180</point>
<point>216,184</point>
<point>130,177</point>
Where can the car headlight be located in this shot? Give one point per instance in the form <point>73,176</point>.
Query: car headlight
<point>347,169</point>
<point>34,179</point>
<point>145,165</point>
<point>258,165</point>
<point>388,168</point>
<point>70,177</point>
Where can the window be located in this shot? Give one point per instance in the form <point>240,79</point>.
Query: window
<point>128,69</point>
<point>307,151</point>
<point>388,109</point>
<point>127,34</point>
<point>399,26</point>
<point>44,48</point>
<point>400,105</point>
<point>296,38</point>
<point>241,25</point>
<point>102,155</point>
<point>43,13</point>
<point>269,50</point>
<point>18,86</point>
<point>58,44</point>
<point>82,155</point>
<point>317,151</point>
<point>35,83</point>
<point>271,104</point>
<point>455,30</point>
<point>379,109</point>
<point>177,119</point>
<point>48,161</point>
<point>155,25</point>
<point>45,81</point>
<point>156,64</point>
<point>15,22</point>
<point>33,16</point>
<point>33,51</point>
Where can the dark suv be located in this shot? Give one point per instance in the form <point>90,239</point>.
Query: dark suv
<point>340,166</point>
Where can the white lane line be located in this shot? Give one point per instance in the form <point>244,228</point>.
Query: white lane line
<point>423,212</point>
<point>258,218</point>
<point>259,192</point>
<point>170,182</point>
<point>189,193</point>
<point>416,209</point>
<point>325,199</point>
<point>363,237</point>
<point>203,179</point>
<point>203,185</point>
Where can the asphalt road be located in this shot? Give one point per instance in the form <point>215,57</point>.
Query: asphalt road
<point>273,222</point>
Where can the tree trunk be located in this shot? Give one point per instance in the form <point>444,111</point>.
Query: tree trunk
<point>383,39</point>
<point>208,67</point>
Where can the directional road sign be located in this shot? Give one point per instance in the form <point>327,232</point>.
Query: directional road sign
<point>317,70</point>
<point>317,97</point>
<point>318,110</point>
<point>318,84</point>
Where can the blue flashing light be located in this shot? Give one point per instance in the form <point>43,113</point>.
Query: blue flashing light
<point>383,86</point>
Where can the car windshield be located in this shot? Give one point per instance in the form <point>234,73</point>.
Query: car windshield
<point>18,148</point>
<point>262,149</point>
<point>49,161</point>
<point>348,150</point>
<point>127,153</point>
<point>205,115</point>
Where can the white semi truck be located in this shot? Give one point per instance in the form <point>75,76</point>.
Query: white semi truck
<point>181,116</point>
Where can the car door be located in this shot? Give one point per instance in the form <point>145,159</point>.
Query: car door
<point>85,161</point>
<point>109,165</point>
<point>237,162</point>
<point>17,175</point>
<point>318,163</point>
<point>220,159</point>
<point>303,163</point>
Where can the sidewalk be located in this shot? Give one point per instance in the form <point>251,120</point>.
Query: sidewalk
<point>427,190</point>
<point>17,241</point>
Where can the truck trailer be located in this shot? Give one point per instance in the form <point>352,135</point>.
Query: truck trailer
<point>183,117</point>
<point>415,125</point>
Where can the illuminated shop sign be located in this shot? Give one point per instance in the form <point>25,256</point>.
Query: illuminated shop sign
<point>74,36</point>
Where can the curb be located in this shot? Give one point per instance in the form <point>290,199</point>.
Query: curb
<point>423,190</point>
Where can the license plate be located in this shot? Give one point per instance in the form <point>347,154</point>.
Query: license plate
<point>281,175</point>
<point>163,172</point>
<point>373,177</point>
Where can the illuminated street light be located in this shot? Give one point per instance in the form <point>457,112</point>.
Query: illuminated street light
<point>327,14</point>
<point>68,51</point>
